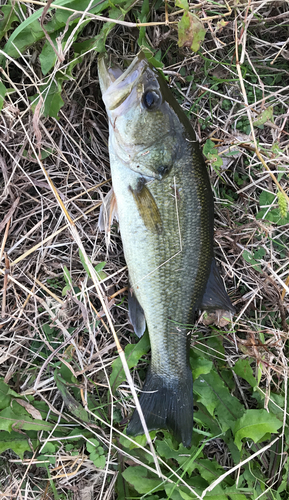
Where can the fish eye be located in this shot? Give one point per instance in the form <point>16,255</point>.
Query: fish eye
<point>151,99</point>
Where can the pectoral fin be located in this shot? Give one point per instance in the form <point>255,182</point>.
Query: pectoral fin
<point>108,212</point>
<point>136,314</point>
<point>215,296</point>
<point>147,207</point>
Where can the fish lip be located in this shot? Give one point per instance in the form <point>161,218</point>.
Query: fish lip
<point>116,90</point>
<point>106,72</point>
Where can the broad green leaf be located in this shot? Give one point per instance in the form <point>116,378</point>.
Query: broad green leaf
<point>92,447</point>
<point>133,353</point>
<point>96,453</point>
<point>243,369</point>
<point>6,394</point>
<point>209,469</point>
<point>51,94</point>
<point>211,152</point>
<point>173,491</point>
<point>98,42</point>
<point>205,395</point>
<point>199,365</point>
<point>248,257</point>
<point>49,448</point>
<point>184,456</point>
<point>183,4</point>
<point>191,31</point>
<point>206,421</point>
<point>9,16</point>
<point>99,271</point>
<point>279,399</point>
<point>264,117</point>
<point>272,214</point>
<point>238,493</point>
<point>155,60</point>
<point>209,147</point>
<point>143,483</point>
<point>98,460</point>
<point>66,289</point>
<point>13,418</point>
<point>48,57</point>
<point>143,18</point>
<point>72,405</point>
<point>216,397</point>
<point>48,330</point>
<point>30,31</point>
<point>141,440</point>
<point>256,425</point>
<point>260,253</point>
<point>17,442</point>
<point>215,159</point>
<point>216,494</point>
<point>266,198</point>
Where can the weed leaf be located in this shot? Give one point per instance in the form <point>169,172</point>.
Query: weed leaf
<point>18,442</point>
<point>72,405</point>
<point>133,353</point>
<point>243,369</point>
<point>183,4</point>
<point>96,453</point>
<point>256,425</point>
<point>191,32</point>
<point>13,418</point>
<point>264,117</point>
<point>200,365</point>
<point>6,394</point>
<point>216,397</point>
<point>140,479</point>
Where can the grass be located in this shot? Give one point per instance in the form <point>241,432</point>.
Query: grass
<point>65,397</point>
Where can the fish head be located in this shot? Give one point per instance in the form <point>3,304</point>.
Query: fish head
<point>144,127</point>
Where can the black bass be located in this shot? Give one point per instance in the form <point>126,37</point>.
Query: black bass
<point>164,204</point>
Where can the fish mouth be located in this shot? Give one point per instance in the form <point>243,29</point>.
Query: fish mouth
<point>116,85</point>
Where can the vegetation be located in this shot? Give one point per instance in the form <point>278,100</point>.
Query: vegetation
<point>65,393</point>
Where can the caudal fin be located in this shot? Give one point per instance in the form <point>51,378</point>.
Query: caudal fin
<point>166,404</point>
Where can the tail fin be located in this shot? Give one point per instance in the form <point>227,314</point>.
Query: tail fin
<point>166,404</point>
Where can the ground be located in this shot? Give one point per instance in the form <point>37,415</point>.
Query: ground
<point>65,400</point>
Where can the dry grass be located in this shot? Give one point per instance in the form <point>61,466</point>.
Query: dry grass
<point>49,209</point>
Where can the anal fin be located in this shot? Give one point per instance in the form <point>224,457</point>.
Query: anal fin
<point>136,314</point>
<point>215,296</point>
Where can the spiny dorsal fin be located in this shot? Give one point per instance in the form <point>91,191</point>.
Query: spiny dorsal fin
<point>147,207</point>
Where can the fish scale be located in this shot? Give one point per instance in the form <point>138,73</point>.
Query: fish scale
<point>165,212</point>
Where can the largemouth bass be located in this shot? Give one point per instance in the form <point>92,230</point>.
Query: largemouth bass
<point>164,204</point>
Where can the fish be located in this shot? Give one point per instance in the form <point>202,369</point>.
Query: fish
<point>162,198</point>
